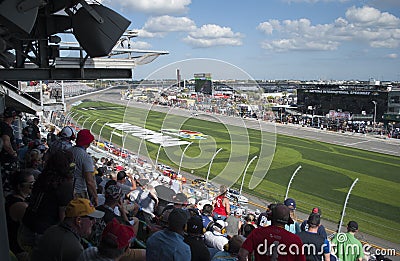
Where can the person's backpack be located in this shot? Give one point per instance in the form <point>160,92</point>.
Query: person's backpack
<point>210,226</point>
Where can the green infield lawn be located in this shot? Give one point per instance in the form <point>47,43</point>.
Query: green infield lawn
<point>325,177</point>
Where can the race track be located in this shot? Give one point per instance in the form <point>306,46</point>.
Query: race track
<point>359,141</point>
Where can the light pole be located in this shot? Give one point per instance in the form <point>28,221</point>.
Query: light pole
<point>111,134</point>
<point>63,96</point>
<point>83,124</point>
<point>91,126</point>
<point>158,154</point>
<point>211,162</point>
<point>244,174</point>
<point>101,129</point>
<point>41,95</point>
<point>375,103</point>
<point>123,140</point>
<point>290,181</point>
<point>140,144</point>
<point>72,116</point>
<point>345,204</point>
<point>77,120</point>
<point>183,153</point>
<point>69,114</point>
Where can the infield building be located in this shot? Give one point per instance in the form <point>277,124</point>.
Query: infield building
<point>361,104</point>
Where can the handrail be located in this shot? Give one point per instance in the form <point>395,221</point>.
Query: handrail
<point>15,89</point>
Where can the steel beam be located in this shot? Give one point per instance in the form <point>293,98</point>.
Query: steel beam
<point>25,74</point>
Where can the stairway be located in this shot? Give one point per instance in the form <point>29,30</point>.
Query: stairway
<point>28,101</point>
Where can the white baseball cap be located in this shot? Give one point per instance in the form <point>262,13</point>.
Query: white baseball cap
<point>68,132</point>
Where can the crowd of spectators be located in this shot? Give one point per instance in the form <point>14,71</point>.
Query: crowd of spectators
<point>64,204</point>
<point>233,107</point>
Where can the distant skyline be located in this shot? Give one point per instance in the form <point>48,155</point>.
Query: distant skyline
<point>274,39</point>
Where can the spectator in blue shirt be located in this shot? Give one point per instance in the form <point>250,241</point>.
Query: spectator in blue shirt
<point>316,247</point>
<point>321,229</point>
<point>168,244</point>
<point>206,215</point>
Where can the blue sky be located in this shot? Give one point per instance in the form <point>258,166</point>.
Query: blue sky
<point>272,39</point>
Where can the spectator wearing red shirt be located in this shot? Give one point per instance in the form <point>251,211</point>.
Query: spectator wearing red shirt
<point>222,208</point>
<point>273,242</point>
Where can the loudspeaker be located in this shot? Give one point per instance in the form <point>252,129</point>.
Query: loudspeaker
<point>19,16</point>
<point>98,38</point>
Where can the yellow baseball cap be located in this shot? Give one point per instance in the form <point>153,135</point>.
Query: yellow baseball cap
<point>80,207</point>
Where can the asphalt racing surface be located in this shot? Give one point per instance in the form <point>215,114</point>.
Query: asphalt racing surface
<point>359,141</point>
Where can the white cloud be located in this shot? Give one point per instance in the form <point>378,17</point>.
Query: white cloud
<point>365,24</point>
<point>204,42</point>
<point>294,44</point>
<point>392,56</point>
<point>156,7</point>
<point>268,27</point>
<point>213,35</point>
<point>140,45</point>
<point>160,25</point>
<point>207,35</point>
<point>391,43</point>
<point>214,31</point>
<point>142,33</point>
<point>369,16</point>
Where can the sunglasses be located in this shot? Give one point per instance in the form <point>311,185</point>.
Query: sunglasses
<point>91,218</point>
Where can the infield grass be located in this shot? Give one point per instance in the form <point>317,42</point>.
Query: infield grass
<point>327,170</point>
